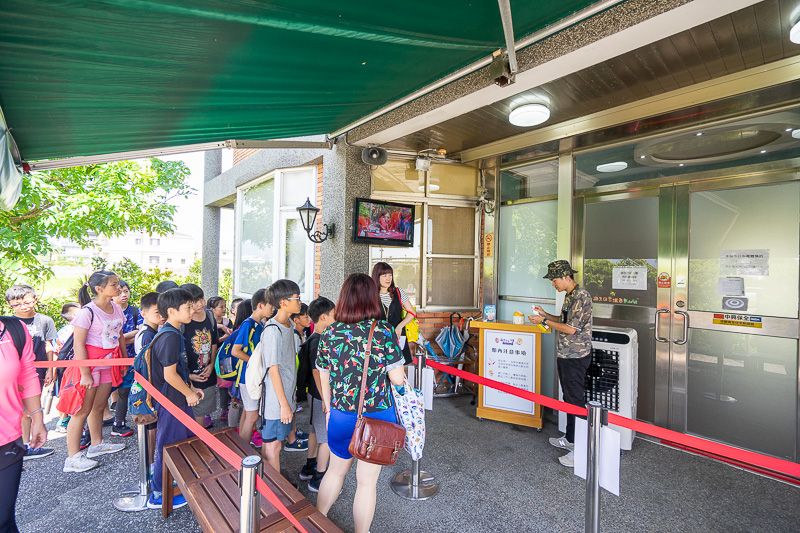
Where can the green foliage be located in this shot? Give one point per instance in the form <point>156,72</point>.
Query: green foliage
<point>81,203</point>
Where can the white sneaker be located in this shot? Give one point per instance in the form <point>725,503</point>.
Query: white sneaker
<point>78,463</point>
<point>568,460</point>
<point>562,442</point>
<point>103,448</point>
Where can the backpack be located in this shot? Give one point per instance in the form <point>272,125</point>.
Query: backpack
<point>15,328</point>
<point>304,370</point>
<point>227,366</point>
<point>256,373</point>
<point>140,402</point>
<point>67,351</point>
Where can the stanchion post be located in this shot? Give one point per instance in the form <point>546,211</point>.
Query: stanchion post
<point>250,504</point>
<point>137,499</point>
<point>595,421</point>
<point>415,484</point>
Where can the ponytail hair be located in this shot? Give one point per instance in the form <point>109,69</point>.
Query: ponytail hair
<point>97,279</point>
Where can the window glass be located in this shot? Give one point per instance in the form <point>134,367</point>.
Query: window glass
<point>398,176</point>
<point>451,282</point>
<point>451,230</point>
<point>532,181</point>
<point>526,245</point>
<point>404,261</point>
<point>458,180</point>
<point>296,187</point>
<point>295,266</point>
<point>255,264</point>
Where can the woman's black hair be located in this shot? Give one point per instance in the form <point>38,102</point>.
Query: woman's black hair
<point>243,312</point>
<point>97,279</point>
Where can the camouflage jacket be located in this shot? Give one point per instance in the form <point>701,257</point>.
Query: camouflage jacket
<point>576,313</point>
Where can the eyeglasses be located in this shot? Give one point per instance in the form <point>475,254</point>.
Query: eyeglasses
<point>296,298</point>
<point>27,303</point>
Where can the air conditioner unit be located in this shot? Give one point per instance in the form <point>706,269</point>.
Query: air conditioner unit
<point>613,376</point>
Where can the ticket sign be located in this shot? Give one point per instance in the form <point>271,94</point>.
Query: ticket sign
<point>745,321</point>
<point>509,357</point>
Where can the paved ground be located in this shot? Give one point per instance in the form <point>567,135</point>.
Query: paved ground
<point>494,478</point>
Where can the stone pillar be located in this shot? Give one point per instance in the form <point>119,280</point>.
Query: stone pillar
<point>209,276</point>
<point>344,178</point>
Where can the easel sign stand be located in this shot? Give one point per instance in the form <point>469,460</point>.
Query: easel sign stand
<point>510,353</point>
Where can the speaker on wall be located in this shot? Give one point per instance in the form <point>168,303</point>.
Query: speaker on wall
<point>372,155</point>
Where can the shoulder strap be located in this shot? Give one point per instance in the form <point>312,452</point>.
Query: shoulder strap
<point>14,327</point>
<point>135,311</point>
<point>367,358</point>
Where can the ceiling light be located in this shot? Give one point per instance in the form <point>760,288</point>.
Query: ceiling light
<point>796,133</point>
<point>642,156</point>
<point>529,115</point>
<point>794,33</point>
<point>763,151</point>
<point>699,133</point>
<point>680,165</point>
<point>612,167</point>
<point>788,129</point>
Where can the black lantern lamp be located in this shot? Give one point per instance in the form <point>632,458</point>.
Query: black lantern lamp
<point>308,215</point>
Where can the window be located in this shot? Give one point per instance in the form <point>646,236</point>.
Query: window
<point>155,242</point>
<point>273,244</point>
<point>398,178</point>
<point>183,261</point>
<point>154,259</point>
<point>138,241</point>
<point>169,260</point>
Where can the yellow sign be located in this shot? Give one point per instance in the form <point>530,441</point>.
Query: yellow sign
<point>488,244</point>
<point>745,321</point>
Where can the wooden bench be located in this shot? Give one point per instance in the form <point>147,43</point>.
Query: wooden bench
<point>211,486</point>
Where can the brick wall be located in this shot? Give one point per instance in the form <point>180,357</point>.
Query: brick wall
<point>240,154</point>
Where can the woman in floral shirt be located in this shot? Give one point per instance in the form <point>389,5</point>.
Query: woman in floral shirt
<point>340,361</point>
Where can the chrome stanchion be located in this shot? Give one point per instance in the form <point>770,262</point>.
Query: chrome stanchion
<point>138,500</point>
<point>250,504</point>
<point>415,484</point>
<point>595,422</point>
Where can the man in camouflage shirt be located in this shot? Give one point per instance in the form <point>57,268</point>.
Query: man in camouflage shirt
<point>574,345</point>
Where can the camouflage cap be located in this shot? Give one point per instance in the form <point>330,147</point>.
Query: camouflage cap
<point>559,269</point>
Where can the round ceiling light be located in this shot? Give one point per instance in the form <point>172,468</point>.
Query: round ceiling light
<point>796,133</point>
<point>528,115</point>
<point>612,167</point>
<point>794,33</point>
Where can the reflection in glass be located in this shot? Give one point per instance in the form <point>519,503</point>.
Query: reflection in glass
<point>526,244</point>
<point>398,176</point>
<point>742,390</point>
<point>258,206</point>
<point>531,181</point>
<point>295,267</point>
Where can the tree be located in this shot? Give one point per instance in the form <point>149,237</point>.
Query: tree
<point>82,203</point>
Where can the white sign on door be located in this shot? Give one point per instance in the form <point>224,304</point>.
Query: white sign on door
<point>744,263</point>
<point>631,278</point>
<point>509,357</point>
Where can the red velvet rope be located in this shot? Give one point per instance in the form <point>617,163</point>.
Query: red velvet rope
<point>774,464</point>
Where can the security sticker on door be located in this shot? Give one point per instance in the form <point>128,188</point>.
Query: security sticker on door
<point>745,321</point>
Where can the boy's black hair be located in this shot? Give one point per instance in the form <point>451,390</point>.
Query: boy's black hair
<point>303,311</point>
<point>281,290</point>
<point>173,299</point>
<point>243,312</point>
<point>66,308</point>
<point>18,292</point>
<point>194,290</point>
<point>123,284</point>
<point>166,285</point>
<point>148,300</point>
<point>319,307</point>
<point>259,297</point>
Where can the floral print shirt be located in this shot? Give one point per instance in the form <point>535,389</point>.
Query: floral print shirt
<point>341,352</point>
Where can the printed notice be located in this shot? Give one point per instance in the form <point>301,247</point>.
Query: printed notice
<point>508,357</point>
<point>743,321</point>
<point>744,263</point>
<point>729,286</point>
<point>630,278</point>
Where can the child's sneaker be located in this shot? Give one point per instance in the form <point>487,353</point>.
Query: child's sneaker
<point>121,430</point>
<point>299,435</point>
<point>299,408</point>
<point>224,415</point>
<point>155,501</point>
<point>78,463</point>
<point>103,448</point>
<point>296,446</point>
<point>86,439</point>
<point>208,422</point>
<point>256,439</point>
<point>313,485</point>
<point>37,453</point>
<point>307,472</point>
<point>61,427</point>
<point>108,422</point>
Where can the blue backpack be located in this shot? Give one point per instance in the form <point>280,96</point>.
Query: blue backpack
<point>227,366</point>
<point>140,404</point>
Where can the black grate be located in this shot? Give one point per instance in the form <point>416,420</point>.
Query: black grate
<point>602,378</point>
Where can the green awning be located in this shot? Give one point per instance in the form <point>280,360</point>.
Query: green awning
<point>85,78</point>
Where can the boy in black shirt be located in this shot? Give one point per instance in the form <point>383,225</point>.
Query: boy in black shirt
<point>202,343</point>
<point>170,375</point>
<point>151,322</point>
<point>321,313</point>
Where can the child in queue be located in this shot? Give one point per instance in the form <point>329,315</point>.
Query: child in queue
<point>242,348</point>
<point>170,375</point>
<point>22,299</point>
<point>202,343</point>
<point>133,319</point>
<point>98,335</point>
<point>151,323</point>
<point>68,311</point>
<point>280,381</point>
<point>321,313</point>
<point>297,441</point>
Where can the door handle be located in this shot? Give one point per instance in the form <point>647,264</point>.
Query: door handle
<point>658,324</point>
<point>685,316</point>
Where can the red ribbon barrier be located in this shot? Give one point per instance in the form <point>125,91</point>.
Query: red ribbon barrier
<point>781,466</point>
<point>215,444</point>
<point>123,361</point>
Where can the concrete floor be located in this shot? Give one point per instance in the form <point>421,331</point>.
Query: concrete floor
<point>494,478</point>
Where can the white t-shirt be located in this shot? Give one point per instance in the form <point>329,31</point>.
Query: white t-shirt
<point>105,330</point>
<point>386,299</point>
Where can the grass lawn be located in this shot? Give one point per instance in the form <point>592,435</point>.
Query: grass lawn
<point>62,286</point>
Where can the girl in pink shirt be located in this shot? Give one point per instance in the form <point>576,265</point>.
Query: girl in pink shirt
<point>19,387</point>
<point>98,335</point>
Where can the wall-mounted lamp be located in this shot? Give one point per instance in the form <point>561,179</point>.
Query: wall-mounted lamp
<point>308,215</point>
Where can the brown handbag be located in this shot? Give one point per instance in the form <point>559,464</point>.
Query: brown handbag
<point>375,441</point>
